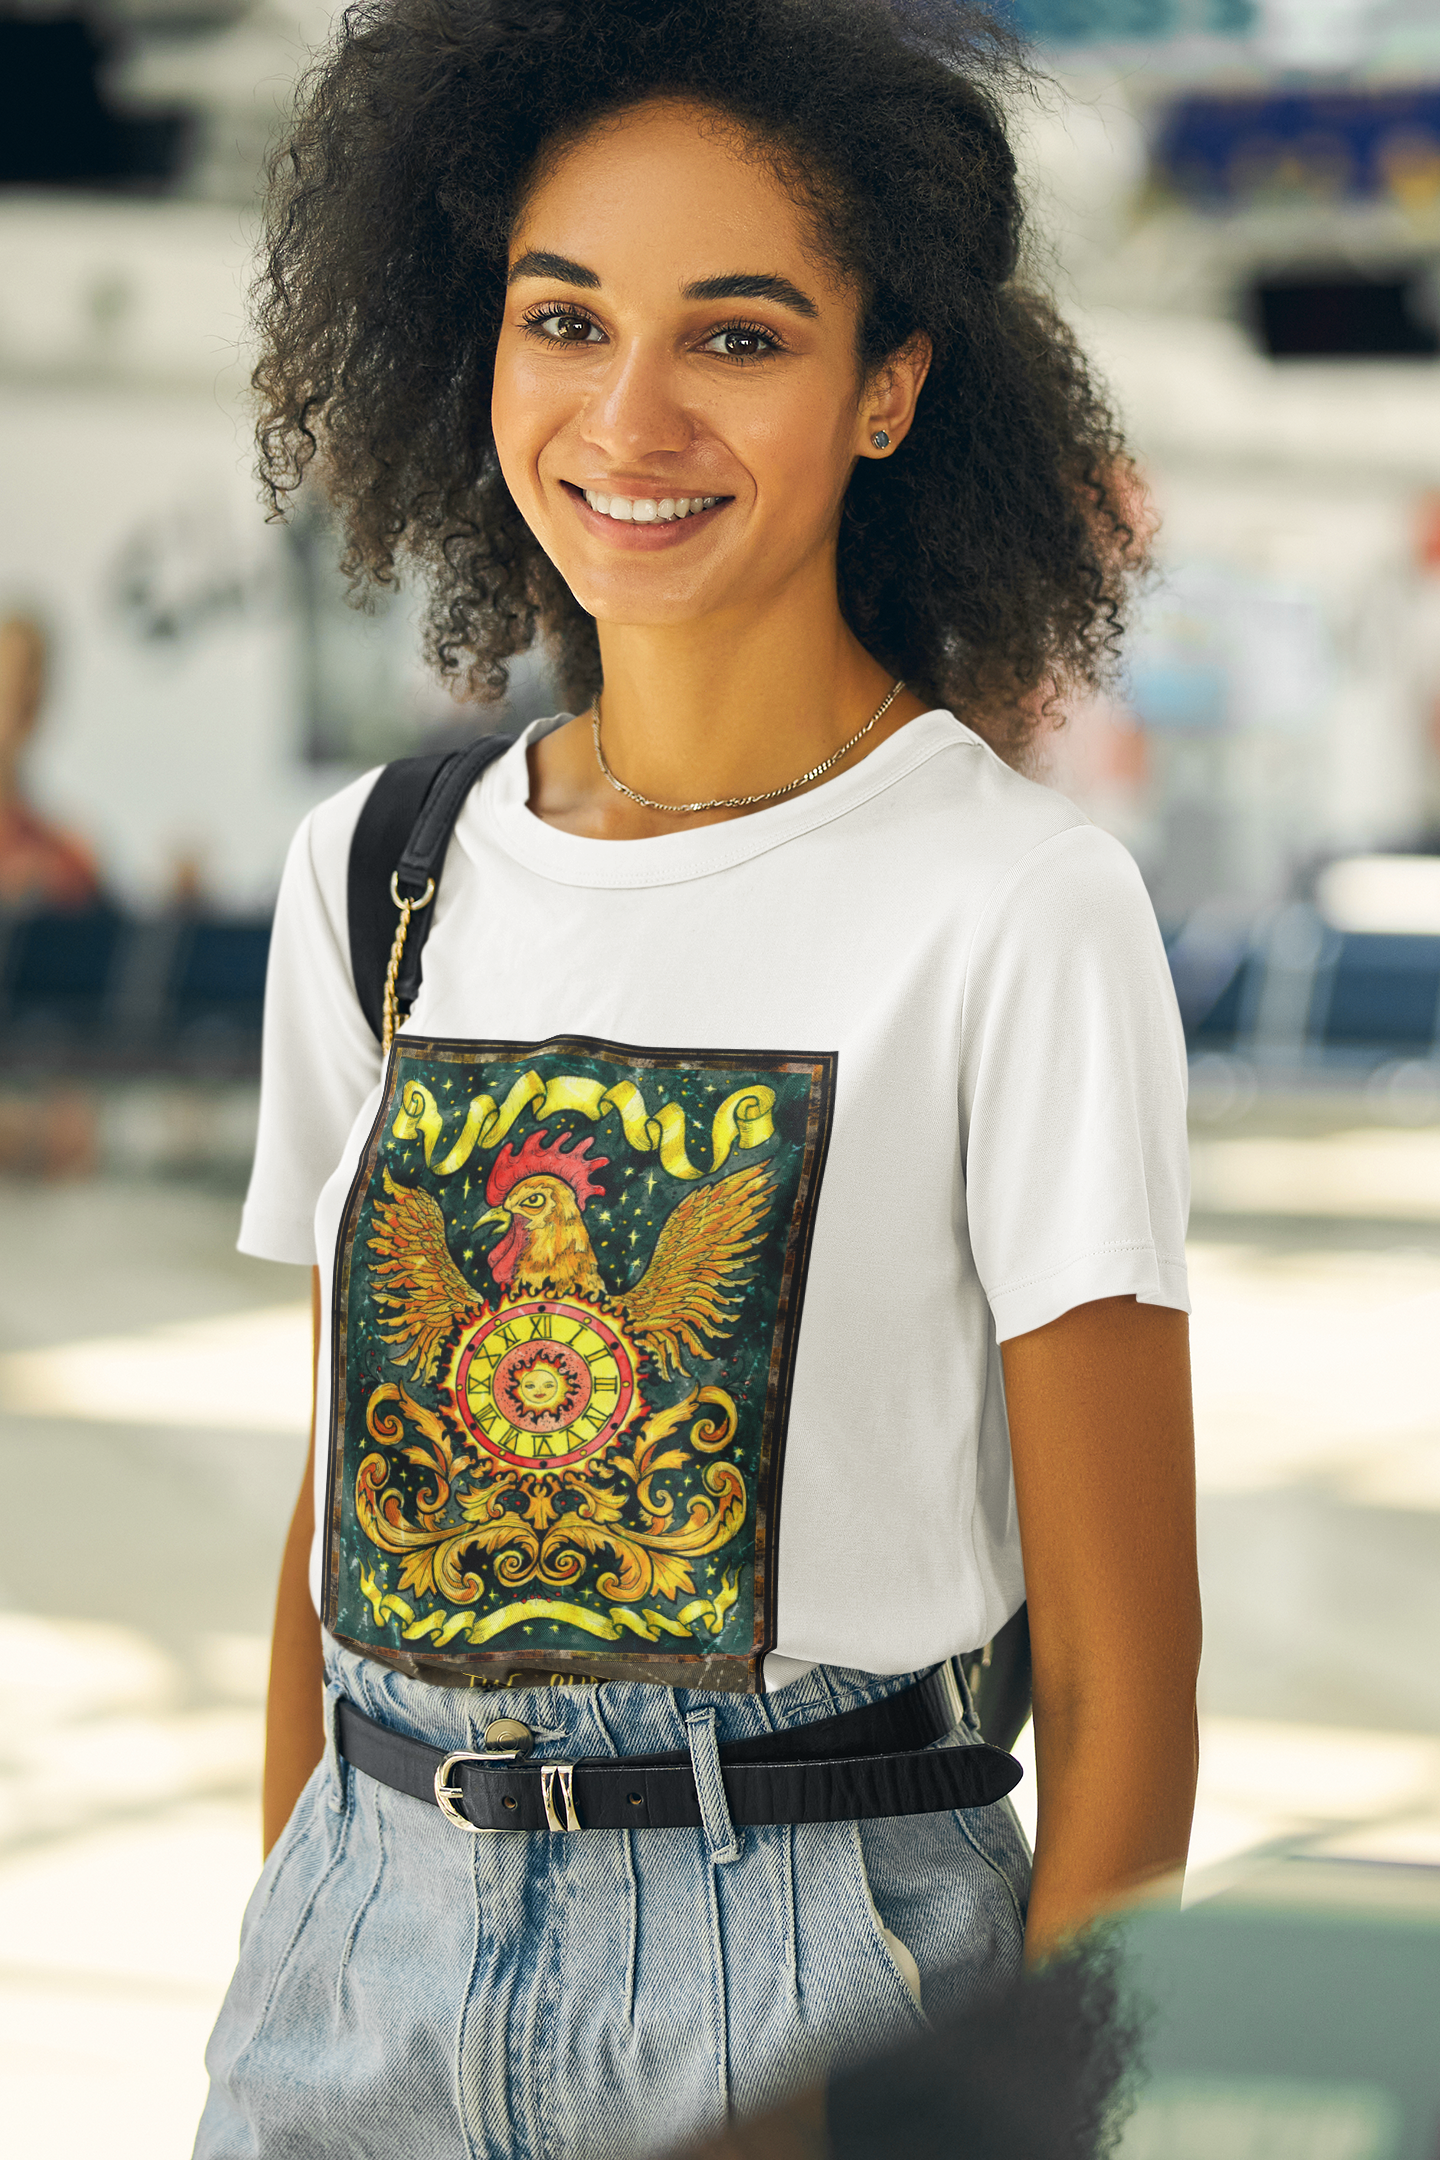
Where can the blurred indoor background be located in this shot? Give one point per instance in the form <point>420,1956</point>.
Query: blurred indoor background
<point>1238,203</point>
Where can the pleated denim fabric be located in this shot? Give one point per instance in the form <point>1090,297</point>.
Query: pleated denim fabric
<point>407,1991</point>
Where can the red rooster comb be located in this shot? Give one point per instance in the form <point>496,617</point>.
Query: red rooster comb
<point>536,1160</point>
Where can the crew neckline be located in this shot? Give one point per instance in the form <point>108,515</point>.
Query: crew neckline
<point>501,807</point>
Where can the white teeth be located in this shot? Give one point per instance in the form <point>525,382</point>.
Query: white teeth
<point>645,510</point>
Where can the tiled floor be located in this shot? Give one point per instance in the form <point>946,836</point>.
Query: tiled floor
<point>153,1388</point>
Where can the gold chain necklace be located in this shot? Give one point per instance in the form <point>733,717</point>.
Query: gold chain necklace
<point>736,802</point>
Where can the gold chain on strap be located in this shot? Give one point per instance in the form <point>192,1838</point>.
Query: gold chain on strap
<point>397,953</point>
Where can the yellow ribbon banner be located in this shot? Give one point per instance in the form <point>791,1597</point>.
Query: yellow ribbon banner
<point>441,1627</point>
<point>742,1120</point>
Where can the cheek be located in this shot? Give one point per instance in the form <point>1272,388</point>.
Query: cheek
<point>523,417</point>
<point>801,454</point>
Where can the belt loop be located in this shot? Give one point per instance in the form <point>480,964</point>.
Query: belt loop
<point>720,1833</point>
<point>962,1700</point>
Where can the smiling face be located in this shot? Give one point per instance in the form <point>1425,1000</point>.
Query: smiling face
<point>677,403</point>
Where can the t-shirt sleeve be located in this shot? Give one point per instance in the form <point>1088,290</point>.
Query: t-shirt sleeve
<point>319,1060</point>
<point>1073,1089</point>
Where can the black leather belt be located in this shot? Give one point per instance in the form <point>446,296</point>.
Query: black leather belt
<point>866,1762</point>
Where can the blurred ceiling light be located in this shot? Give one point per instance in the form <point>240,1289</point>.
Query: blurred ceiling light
<point>1394,895</point>
<point>1319,34</point>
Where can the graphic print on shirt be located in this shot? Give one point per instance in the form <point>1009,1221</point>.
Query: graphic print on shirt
<point>568,1297</point>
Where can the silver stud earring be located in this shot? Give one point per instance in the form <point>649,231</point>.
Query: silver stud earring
<point>880,439</point>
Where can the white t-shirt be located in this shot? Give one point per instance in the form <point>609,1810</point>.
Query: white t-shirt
<point>709,1172</point>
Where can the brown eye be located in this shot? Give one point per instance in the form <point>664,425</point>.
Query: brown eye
<point>563,326</point>
<point>742,342</point>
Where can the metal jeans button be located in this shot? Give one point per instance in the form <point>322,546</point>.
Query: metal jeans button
<point>506,1735</point>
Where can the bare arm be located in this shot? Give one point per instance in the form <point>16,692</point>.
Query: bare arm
<point>294,1726</point>
<point>1103,1447</point>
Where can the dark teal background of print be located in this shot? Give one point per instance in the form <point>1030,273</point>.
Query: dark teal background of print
<point>623,1224</point>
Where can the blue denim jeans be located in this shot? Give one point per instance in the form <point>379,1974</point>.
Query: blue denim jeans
<point>409,1991</point>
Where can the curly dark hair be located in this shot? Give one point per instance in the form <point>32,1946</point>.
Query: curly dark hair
<point>986,562</point>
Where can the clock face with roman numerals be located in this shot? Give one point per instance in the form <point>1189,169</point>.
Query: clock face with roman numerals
<point>545,1382</point>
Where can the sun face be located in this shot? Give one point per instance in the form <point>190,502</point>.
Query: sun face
<point>545,1383</point>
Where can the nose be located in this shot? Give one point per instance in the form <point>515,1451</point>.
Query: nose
<point>638,411</point>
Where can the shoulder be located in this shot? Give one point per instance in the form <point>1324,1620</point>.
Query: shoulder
<point>1072,878</point>
<point>1039,841</point>
<point>322,839</point>
<point>1073,905</point>
<point>956,773</point>
<point>311,925</point>
<point>1053,906</point>
<point>1003,841</point>
<point>317,867</point>
<point>1067,942</point>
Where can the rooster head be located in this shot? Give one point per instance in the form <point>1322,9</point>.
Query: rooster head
<point>539,1194</point>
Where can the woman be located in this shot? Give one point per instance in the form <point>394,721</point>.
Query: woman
<point>792,1104</point>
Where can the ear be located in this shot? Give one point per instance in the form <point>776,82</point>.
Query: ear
<point>888,400</point>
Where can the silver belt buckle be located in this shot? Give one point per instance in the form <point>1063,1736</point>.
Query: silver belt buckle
<point>497,1732</point>
<point>447,1794</point>
<point>551,1775</point>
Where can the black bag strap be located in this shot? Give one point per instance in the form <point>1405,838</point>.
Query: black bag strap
<point>398,848</point>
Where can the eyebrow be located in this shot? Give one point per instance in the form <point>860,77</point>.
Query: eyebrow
<point>753,285</point>
<point>737,285</point>
<point>539,262</point>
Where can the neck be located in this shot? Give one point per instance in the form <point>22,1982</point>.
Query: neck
<point>727,706</point>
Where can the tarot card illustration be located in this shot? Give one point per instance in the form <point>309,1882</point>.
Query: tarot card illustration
<point>568,1297</point>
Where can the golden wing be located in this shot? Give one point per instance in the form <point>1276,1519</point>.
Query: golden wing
<point>421,1284</point>
<point>699,1264</point>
